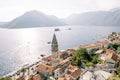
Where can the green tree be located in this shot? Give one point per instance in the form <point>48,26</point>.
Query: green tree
<point>6,78</point>
<point>94,60</point>
<point>23,70</point>
<point>118,50</point>
<point>114,46</point>
<point>80,56</point>
<point>118,71</point>
<point>89,64</point>
<point>76,60</point>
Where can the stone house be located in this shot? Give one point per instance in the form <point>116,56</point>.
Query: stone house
<point>73,72</point>
<point>45,69</point>
<point>59,72</point>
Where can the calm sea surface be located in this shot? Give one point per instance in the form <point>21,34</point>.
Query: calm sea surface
<point>24,46</point>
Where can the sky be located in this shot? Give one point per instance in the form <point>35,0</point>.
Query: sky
<point>10,9</point>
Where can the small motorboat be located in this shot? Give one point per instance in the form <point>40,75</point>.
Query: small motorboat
<point>42,55</point>
<point>56,29</point>
<point>49,42</point>
<point>69,29</point>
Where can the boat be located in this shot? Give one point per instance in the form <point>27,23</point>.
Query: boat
<point>56,29</point>
<point>69,29</point>
<point>49,42</point>
<point>42,55</point>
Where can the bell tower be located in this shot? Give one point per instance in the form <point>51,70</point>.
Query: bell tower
<point>54,44</point>
<point>54,49</point>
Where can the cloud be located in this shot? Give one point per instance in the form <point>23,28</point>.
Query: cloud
<point>107,4</point>
<point>59,8</point>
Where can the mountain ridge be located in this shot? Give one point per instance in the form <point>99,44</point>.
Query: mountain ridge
<point>96,18</point>
<point>34,19</point>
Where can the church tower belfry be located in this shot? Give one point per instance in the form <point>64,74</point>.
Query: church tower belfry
<point>54,44</point>
<point>54,49</point>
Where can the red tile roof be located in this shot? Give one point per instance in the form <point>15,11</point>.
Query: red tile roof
<point>65,79</point>
<point>20,78</point>
<point>45,68</point>
<point>93,45</point>
<point>71,51</point>
<point>47,59</point>
<point>74,71</point>
<point>64,62</point>
<point>110,54</point>
<point>37,77</point>
<point>62,54</point>
<point>30,77</point>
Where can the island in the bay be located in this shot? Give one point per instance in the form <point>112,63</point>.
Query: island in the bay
<point>95,61</point>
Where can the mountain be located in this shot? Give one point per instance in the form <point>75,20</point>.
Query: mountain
<point>38,19</point>
<point>34,19</point>
<point>2,23</point>
<point>96,18</point>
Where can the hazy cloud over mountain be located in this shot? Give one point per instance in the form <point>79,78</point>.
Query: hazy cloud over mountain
<point>96,18</point>
<point>9,9</point>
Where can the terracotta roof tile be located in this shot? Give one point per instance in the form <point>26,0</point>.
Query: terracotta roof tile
<point>20,78</point>
<point>65,79</point>
<point>30,77</point>
<point>94,45</point>
<point>110,54</point>
<point>74,71</point>
<point>37,77</point>
<point>45,68</point>
<point>47,59</point>
<point>62,54</point>
<point>64,62</point>
<point>71,51</point>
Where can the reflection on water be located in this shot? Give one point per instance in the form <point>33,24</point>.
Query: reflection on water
<point>22,46</point>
